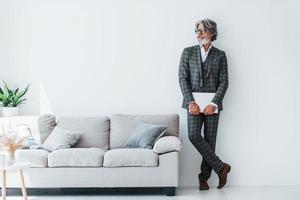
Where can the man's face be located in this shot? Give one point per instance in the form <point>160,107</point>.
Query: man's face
<point>203,35</point>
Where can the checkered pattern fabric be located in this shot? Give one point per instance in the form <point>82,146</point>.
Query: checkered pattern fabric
<point>205,145</point>
<point>210,76</point>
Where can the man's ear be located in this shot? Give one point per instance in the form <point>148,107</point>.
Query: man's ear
<point>211,36</point>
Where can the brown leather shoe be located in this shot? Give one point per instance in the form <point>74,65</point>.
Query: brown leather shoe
<point>223,175</point>
<point>203,185</point>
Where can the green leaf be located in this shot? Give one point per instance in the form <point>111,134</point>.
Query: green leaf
<point>5,89</point>
<point>21,94</point>
<point>19,102</point>
<point>16,91</point>
<point>9,91</point>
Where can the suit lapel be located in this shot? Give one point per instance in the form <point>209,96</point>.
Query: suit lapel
<point>197,51</point>
<point>208,59</point>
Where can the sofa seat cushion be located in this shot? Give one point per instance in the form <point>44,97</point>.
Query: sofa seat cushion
<point>125,157</point>
<point>76,157</point>
<point>36,157</point>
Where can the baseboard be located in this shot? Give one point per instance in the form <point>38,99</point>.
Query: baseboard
<point>169,191</point>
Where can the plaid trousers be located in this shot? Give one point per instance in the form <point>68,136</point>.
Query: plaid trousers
<point>205,145</point>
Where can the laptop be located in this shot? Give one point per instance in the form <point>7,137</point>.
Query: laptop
<point>203,99</point>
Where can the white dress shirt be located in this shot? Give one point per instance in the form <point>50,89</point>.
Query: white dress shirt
<point>203,56</point>
<point>204,53</point>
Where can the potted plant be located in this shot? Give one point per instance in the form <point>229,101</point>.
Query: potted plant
<point>10,99</point>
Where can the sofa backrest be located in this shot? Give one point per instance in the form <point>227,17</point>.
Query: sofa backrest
<point>96,130</point>
<point>123,125</point>
<point>102,132</point>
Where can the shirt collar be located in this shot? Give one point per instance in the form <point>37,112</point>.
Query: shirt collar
<point>202,48</point>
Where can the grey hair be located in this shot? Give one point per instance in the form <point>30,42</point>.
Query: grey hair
<point>209,25</point>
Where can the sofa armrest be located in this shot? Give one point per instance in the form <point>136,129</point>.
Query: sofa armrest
<point>167,144</point>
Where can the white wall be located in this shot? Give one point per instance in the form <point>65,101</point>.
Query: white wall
<point>4,40</point>
<point>88,58</point>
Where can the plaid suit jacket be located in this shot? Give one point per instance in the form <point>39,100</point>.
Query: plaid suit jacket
<point>192,79</point>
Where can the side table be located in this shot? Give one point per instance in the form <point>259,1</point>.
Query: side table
<point>16,167</point>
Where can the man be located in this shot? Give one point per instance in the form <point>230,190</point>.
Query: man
<point>203,68</point>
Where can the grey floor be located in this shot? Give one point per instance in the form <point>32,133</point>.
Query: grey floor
<point>190,193</point>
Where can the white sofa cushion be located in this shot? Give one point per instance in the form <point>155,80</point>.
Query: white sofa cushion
<point>76,157</point>
<point>96,130</point>
<point>122,126</point>
<point>130,157</point>
<point>167,144</point>
<point>36,157</point>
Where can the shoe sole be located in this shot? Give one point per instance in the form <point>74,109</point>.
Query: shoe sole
<point>203,189</point>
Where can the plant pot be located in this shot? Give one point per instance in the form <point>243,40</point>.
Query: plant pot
<point>10,111</point>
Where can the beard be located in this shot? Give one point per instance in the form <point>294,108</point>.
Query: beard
<point>203,41</point>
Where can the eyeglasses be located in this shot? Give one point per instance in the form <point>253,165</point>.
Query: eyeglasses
<point>200,32</point>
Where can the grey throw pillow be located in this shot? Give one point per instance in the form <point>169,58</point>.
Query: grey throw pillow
<point>61,139</point>
<point>46,125</point>
<point>145,135</point>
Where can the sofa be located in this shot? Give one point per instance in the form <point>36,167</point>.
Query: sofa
<point>100,158</point>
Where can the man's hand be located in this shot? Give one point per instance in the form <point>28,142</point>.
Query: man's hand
<point>209,109</point>
<point>194,108</point>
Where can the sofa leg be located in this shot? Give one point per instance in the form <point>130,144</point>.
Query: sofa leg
<point>170,191</point>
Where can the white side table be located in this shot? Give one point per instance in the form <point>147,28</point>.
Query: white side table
<point>17,167</point>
